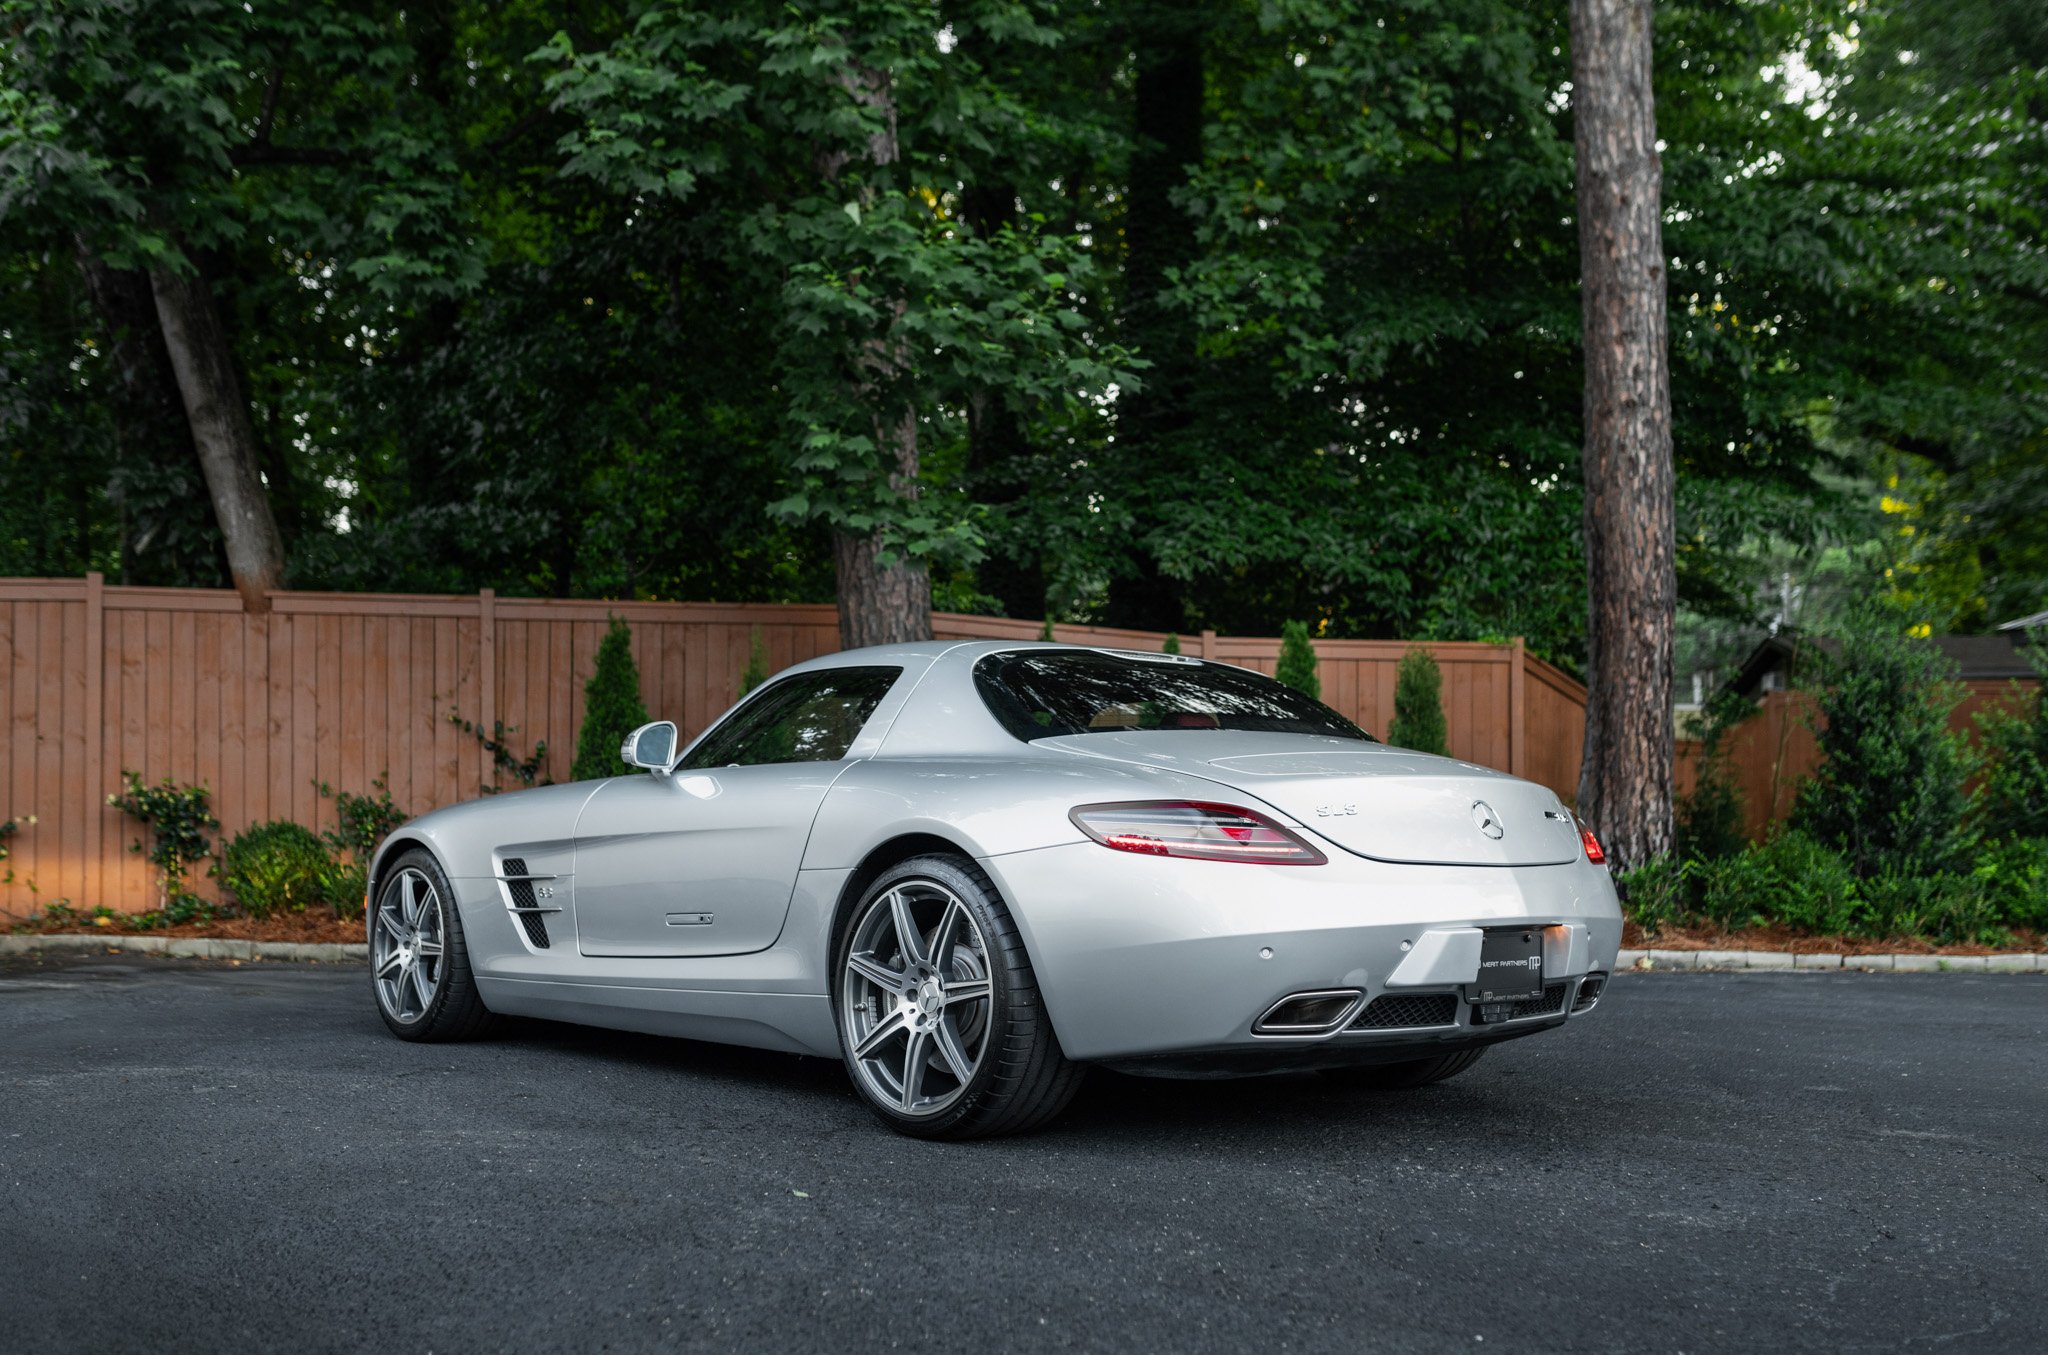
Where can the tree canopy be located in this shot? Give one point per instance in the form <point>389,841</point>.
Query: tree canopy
<point>1181,314</point>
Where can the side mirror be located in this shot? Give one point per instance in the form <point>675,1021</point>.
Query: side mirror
<point>651,746</point>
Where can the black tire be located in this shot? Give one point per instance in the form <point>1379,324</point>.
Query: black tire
<point>1020,1078</point>
<point>454,1010</point>
<point>1402,1076</point>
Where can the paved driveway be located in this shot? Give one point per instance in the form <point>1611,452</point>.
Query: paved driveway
<point>203,1157</point>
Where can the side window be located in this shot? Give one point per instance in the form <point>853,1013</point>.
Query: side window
<point>813,717</point>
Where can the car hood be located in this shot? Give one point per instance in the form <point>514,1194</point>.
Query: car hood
<point>1389,804</point>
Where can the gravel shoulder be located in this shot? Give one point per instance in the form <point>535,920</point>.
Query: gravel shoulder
<point>199,1155</point>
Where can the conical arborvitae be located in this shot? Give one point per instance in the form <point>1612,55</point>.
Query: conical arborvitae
<point>1298,659</point>
<point>1419,705</point>
<point>611,707</point>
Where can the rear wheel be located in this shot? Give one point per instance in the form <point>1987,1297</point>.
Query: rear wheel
<point>419,960</point>
<point>940,1020</point>
<point>1399,1076</point>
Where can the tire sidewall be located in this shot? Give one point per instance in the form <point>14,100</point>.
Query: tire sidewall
<point>989,917</point>
<point>453,950</point>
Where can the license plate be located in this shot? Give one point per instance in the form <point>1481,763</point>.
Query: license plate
<point>1510,966</point>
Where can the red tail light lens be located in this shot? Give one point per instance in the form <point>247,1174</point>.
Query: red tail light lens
<point>1593,852</point>
<point>1195,830</point>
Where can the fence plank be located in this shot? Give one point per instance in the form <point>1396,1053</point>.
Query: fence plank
<point>349,689</point>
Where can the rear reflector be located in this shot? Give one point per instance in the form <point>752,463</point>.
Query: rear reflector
<point>1195,830</point>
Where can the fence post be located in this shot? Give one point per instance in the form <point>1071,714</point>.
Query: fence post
<point>487,675</point>
<point>1518,711</point>
<point>95,722</point>
<point>1208,644</point>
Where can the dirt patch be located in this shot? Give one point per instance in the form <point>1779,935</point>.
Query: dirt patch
<point>1784,938</point>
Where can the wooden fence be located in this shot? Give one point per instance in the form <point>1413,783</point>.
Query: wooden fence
<point>347,688</point>
<point>1770,754</point>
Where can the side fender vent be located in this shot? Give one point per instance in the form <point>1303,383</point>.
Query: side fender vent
<point>523,898</point>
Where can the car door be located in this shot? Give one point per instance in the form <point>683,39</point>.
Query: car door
<point>702,860</point>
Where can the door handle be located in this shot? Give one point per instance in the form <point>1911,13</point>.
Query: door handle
<point>689,919</point>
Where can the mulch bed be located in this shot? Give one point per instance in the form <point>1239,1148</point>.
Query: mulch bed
<point>295,927</point>
<point>1784,938</point>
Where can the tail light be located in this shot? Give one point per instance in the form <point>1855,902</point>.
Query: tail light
<point>1196,830</point>
<point>1593,852</point>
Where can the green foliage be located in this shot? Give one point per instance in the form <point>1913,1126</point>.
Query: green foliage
<point>1172,645</point>
<point>2014,878</point>
<point>8,827</point>
<point>1889,790</point>
<point>1045,634</point>
<point>362,822</point>
<point>277,867</point>
<point>756,671</point>
<point>1297,666</point>
<point>1709,816</point>
<point>2013,802</point>
<point>1656,893</point>
<point>1791,879</point>
<point>525,770</point>
<point>611,706</point>
<point>1419,705</point>
<point>178,819</point>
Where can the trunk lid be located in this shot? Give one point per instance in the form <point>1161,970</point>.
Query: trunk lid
<point>1385,803</point>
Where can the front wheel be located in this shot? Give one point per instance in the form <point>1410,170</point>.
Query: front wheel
<point>940,1019</point>
<point>419,959</point>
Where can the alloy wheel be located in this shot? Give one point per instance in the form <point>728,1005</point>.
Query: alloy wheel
<point>916,997</point>
<point>406,946</point>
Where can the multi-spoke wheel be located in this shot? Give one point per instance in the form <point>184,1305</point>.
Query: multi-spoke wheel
<point>419,965</point>
<point>405,946</point>
<point>939,1017</point>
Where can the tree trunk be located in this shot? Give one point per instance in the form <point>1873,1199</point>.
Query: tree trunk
<point>228,451</point>
<point>884,604</point>
<point>1625,779</point>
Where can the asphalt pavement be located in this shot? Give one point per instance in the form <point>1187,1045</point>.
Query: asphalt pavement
<point>196,1156</point>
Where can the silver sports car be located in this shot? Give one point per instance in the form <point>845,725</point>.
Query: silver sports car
<point>972,870</point>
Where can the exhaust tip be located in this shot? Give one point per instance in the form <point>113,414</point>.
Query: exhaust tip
<point>1309,1013</point>
<point>1589,992</point>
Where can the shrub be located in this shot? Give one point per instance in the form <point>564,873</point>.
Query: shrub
<point>277,867</point>
<point>1172,645</point>
<point>1297,666</point>
<point>611,706</point>
<point>2014,799</point>
<point>1655,894</point>
<point>1942,906</point>
<point>1791,879</point>
<point>361,822</point>
<point>1419,705</point>
<point>1709,816</point>
<point>2014,878</point>
<point>1889,791</point>
<point>178,818</point>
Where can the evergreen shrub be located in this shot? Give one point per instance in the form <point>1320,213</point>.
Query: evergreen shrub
<point>1297,666</point>
<point>1419,705</point>
<point>1888,794</point>
<point>611,706</point>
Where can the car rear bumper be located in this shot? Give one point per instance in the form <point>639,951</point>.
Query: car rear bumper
<point>1168,965</point>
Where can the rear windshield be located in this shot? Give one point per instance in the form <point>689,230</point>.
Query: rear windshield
<point>1040,693</point>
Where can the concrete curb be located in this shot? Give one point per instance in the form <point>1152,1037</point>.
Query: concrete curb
<point>1715,960</point>
<point>192,947</point>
